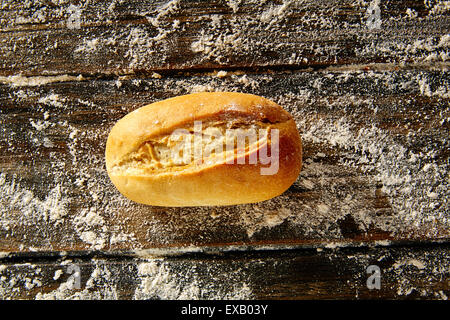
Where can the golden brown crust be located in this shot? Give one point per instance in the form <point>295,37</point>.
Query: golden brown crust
<point>207,184</point>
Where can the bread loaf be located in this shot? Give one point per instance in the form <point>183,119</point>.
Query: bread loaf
<point>204,149</point>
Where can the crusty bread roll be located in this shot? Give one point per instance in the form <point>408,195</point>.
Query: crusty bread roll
<point>204,149</point>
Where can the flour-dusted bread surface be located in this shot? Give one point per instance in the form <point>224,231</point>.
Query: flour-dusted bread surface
<point>201,150</point>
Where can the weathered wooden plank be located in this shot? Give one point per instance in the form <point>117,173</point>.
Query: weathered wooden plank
<point>404,273</point>
<point>123,37</point>
<point>375,151</point>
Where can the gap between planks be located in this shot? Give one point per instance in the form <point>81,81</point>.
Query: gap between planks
<point>212,252</point>
<point>237,70</point>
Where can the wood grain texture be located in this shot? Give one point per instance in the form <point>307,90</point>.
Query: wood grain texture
<point>405,273</point>
<point>126,37</point>
<point>375,154</point>
<point>366,81</point>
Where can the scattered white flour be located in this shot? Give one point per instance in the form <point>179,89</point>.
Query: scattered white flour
<point>156,75</point>
<point>28,206</point>
<point>221,74</point>
<point>277,13</point>
<point>438,7</point>
<point>410,262</point>
<point>51,100</point>
<point>442,91</point>
<point>74,17</point>
<point>410,181</point>
<point>203,44</point>
<point>22,81</point>
<point>58,274</point>
<point>150,279</point>
<point>166,9</point>
<point>411,13</point>
<point>45,209</point>
<point>158,281</point>
<point>230,35</point>
<point>99,286</point>
<point>405,272</point>
<point>91,228</point>
<point>392,167</point>
<point>88,46</point>
<point>71,201</point>
<point>234,4</point>
<point>374,15</point>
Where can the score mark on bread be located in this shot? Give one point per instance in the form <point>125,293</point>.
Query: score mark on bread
<point>204,149</point>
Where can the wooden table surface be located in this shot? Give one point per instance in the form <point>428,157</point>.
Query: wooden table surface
<point>366,81</point>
